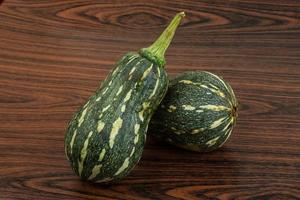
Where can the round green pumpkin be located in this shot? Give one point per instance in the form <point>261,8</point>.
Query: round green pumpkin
<point>198,112</point>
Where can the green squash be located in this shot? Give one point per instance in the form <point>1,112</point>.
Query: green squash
<point>106,137</point>
<point>198,112</point>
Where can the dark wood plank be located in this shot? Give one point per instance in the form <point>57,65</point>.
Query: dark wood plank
<point>53,54</point>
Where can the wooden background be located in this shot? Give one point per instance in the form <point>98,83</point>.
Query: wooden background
<point>53,54</point>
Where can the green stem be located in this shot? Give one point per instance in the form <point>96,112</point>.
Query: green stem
<point>156,52</point>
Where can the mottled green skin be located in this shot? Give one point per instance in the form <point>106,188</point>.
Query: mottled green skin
<point>124,140</point>
<point>165,120</point>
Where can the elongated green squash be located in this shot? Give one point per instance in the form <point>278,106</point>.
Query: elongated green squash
<point>198,112</point>
<point>105,138</point>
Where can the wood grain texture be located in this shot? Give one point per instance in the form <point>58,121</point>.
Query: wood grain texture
<point>53,54</point>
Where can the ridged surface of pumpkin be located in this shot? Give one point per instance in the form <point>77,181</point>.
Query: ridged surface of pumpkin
<point>198,112</point>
